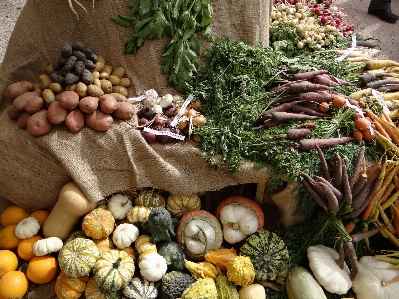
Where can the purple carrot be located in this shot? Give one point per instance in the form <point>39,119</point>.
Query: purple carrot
<point>336,192</point>
<point>351,254</point>
<point>307,110</point>
<point>324,166</point>
<point>309,144</point>
<point>313,193</point>
<point>308,75</point>
<point>357,168</point>
<point>345,185</point>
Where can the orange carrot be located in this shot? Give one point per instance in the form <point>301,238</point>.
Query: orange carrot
<point>381,130</point>
<point>396,181</point>
<point>350,226</point>
<point>387,193</point>
<point>369,208</point>
<point>387,117</point>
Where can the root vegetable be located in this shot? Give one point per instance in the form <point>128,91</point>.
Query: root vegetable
<point>55,113</point>
<point>23,120</point>
<point>308,75</point>
<point>319,97</point>
<point>18,88</point>
<point>324,166</point>
<point>69,99</point>
<point>108,104</point>
<point>309,144</point>
<point>124,111</point>
<point>34,104</point>
<point>12,113</point>
<point>318,199</point>
<point>19,102</point>
<point>38,124</point>
<point>99,121</point>
<point>88,104</point>
<point>306,110</point>
<point>286,116</point>
<point>75,120</point>
<point>297,133</point>
<point>306,86</point>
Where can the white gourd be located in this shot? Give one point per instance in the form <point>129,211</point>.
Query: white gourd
<point>124,235</point>
<point>47,246</point>
<point>27,228</point>
<point>119,205</point>
<point>153,266</point>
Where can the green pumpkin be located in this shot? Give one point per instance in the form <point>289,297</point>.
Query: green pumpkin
<point>113,270</point>
<point>173,254</point>
<point>77,257</point>
<point>268,254</point>
<point>140,288</point>
<point>225,288</point>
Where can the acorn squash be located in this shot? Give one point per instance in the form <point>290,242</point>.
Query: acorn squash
<point>268,254</point>
<point>173,253</point>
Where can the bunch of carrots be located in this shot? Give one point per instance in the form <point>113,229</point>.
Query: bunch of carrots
<point>346,197</point>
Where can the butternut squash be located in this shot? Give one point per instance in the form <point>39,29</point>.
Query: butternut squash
<point>71,205</point>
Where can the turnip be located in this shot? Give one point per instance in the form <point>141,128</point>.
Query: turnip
<point>146,112</point>
<point>149,136</point>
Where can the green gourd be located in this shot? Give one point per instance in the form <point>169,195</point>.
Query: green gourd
<point>140,288</point>
<point>268,254</point>
<point>173,254</point>
<point>300,284</point>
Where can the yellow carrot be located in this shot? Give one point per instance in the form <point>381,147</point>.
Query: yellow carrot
<point>391,148</point>
<point>387,193</point>
<point>380,63</point>
<point>390,200</point>
<point>392,260</point>
<point>386,220</point>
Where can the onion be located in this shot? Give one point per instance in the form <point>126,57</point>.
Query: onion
<point>199,120</point>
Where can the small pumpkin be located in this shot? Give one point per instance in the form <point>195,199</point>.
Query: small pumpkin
<point>47,246</point>
<point>78,256</point>
<point>138,214</point>
<point>113,270</point>
<point>240,217</point>
<point>150,199</point>
<point>173,284</point>
<point>153,266</point>
<point>119,205</point>
<point>225,288</point>
<point>203,288</point>
<point>240,271</point>
<point>178,205</point>
<point>98,223</point>
<point>253,291</point>
<point>27,228</point>
<point>220,257</point>
<point>201,269</point>
<point>139,288</point>
<point>104,244</point>
<point>67,287</point>
<point>124,235</point>
<point>268,254</point>
<point>93,291</point>
<point>199,231</point>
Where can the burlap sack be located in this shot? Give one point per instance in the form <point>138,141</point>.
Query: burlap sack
<point>33,170</point>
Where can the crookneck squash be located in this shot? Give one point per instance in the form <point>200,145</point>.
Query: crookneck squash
<point>268,254</point>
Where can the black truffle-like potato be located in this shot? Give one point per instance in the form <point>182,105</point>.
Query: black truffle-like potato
<point>71,78</point>
<point>79,55</point>
<point>66,50</point>
<point>87,77</point>
<point>78,46</point>
<point>89,64</point>
<point>79,67</point>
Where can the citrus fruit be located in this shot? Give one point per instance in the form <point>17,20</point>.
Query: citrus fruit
<point>13,284</point>
<point>42,269</point>
<point>8,261</point>
<point>40,215</point>
<point>12,215</point>
<point>8,239</point>
<point>25,247</point>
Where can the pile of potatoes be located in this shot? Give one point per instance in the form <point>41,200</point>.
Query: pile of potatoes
<point>75,91</point>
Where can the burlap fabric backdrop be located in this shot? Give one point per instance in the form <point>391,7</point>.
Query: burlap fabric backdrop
<point>32,170</point>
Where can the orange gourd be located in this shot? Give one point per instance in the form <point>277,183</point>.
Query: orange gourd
<point>67,287</point>
<point>13,284</point>
<point>8,262</point>
<point>98,223</point>
<point>12,215</point>
<point>220,257</point>
<point>42,269</point>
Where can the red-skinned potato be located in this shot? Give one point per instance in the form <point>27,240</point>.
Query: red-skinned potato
<point>124,111</point>
<point>19,102</point>
<point>35,104</point>
<point>56,114</point>
<point>88,104</point>
<point>69,99</point>
<point>38,124</point>
<point>23,120</point>
<point>17,88</point>
<point>99,121</point>
<point>108,103</point>
<point>12,113</point>
<point>75,120</point>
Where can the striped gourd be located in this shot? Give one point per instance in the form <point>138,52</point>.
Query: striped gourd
<point>138,214</point>
<point>140,288</point>
<point>144,246</point>
<point>113,270</point>
<point>268,253</point>
<point>203,288</point>
<point>67,287</point>
<point>150,199</point>
<point>178,205</point>
<point>78,256</point>
<point>225,288</point>
<point>93,291</point>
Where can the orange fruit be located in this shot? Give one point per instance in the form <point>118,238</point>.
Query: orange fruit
<point>42,269</point>
<point>13,284</point>
<point>8,239</point>
<point>12,215</point>
<point>25,247</point>
<point>8,261</point>
<point>40,215</point>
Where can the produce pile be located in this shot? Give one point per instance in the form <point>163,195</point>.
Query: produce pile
<point>315,107</point>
